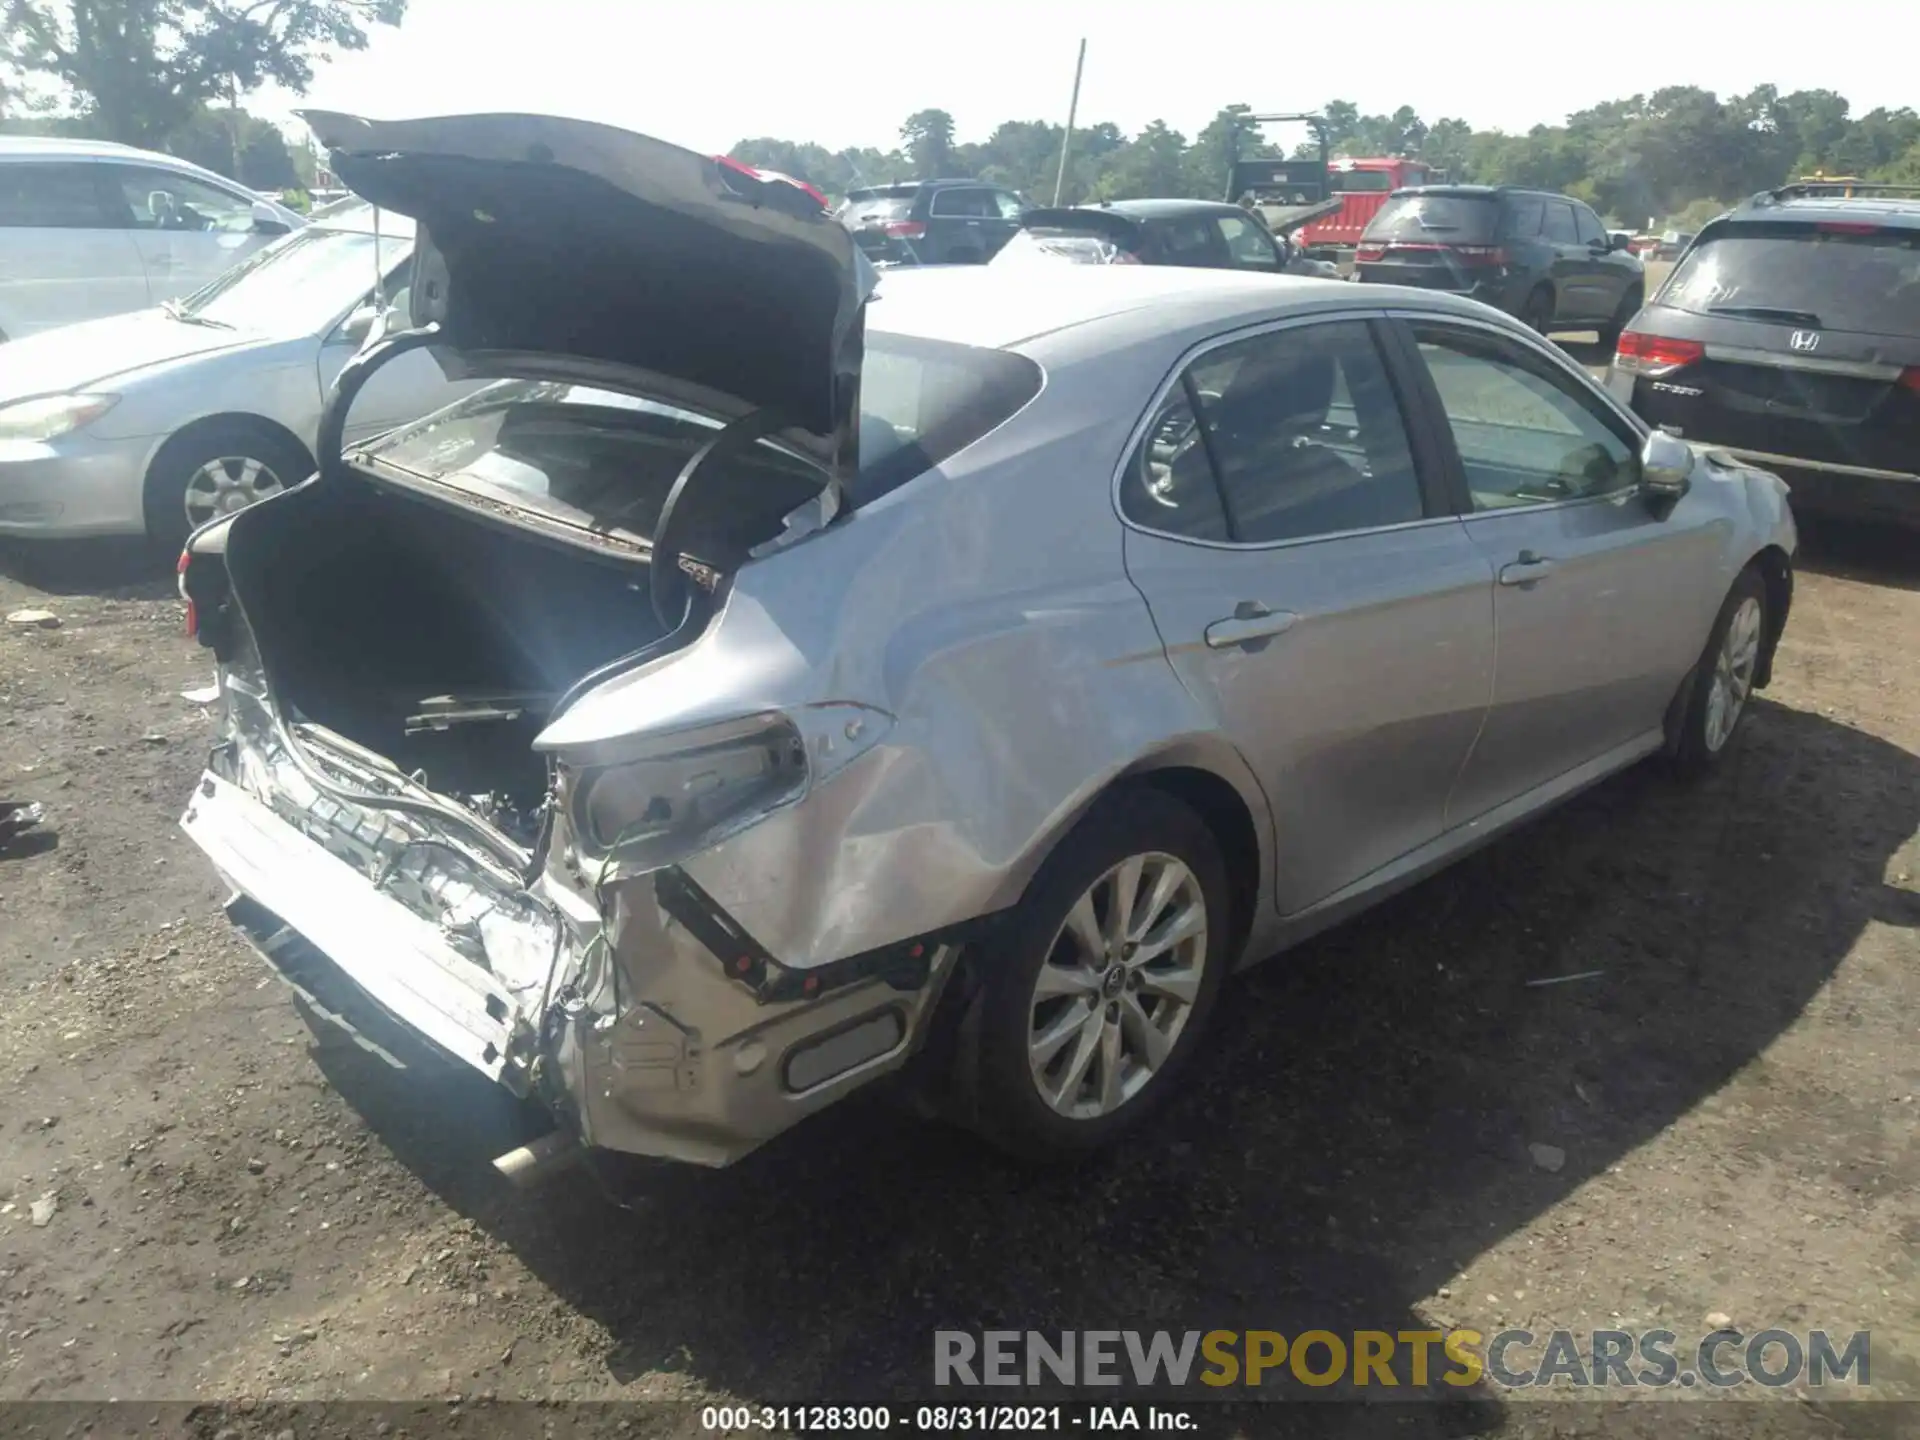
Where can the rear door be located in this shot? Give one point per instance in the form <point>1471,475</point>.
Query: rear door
<point>1569,266</point>
<point>1313,591</point>
<point>188,231</point>
<point>964,225</point>
<point>1597,602</point>
<point>65,254</point>
<point>1603,281</point>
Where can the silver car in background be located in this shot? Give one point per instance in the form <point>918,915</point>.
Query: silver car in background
<point>769,680</point>
<point>153,422</point>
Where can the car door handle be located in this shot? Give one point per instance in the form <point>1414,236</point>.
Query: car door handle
<point>1527,569</point>
<point>1250,623</point>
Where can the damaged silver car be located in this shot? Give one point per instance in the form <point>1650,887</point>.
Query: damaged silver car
<point>765,681</point>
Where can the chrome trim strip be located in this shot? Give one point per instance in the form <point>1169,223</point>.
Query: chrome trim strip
<point>1831,467</point>
<point>1813,364</point>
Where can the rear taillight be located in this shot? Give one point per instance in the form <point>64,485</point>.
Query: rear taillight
<point>1481,254</point>
<point>1910,379</point>
<point>904,229</point>
<point>180,570</point>
<point>1369,254</point>
<point>1125,257</point>
<point>1846,227</point>
<point>1655,355</point>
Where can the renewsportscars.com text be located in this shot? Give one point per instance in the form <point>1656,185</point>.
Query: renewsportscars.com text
<point>1511,1359</point>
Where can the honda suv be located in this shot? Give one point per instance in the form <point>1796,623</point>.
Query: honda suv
<point>933,222</point>
<point>1534,254</point>
<point>1790,333</point>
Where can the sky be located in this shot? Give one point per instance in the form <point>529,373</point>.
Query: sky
<point>845,74</point>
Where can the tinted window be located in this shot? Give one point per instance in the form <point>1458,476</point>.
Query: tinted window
<point>162,200</point>
<point>61,197</point>
<point>1441,219</point>
<point>1008,204</point>
<point>595,455</point>
<point>1588,225</point>
<point>1190,240</point>
<point>1169,483</point>
<point>1305,434</point>
<point>1248,244</point>
<point>964,204</point>
<point>1824,281</point>
<point>1362,182</point>
<point>1525,434</point>
<point>1558,227</point>
<point>875,209</point>
<point>1078,247</point>
<point>1525,215</point>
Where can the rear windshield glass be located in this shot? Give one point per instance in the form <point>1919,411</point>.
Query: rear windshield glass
<point>875,208</point>
<point>602,458</point>
<point>1813,278</point>
<point>1441,219</point>
<point>1076,247</point>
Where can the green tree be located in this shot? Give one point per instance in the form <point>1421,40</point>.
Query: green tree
<point>139,70</point>
<point>928,137</point>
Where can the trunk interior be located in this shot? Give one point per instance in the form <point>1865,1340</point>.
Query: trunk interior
<point>430,633</point>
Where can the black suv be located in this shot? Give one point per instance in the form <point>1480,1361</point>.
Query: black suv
<point>1543,257</point>
<point>1210,234</point>
<point>1789,333</point>
<point>934,222</point>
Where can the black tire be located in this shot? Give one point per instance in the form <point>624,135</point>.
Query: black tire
<point>1536,313</point>
<point>183,457</point>
<point>1008,1108</point>
<point>1699,743</point>
<point>1629,307</point>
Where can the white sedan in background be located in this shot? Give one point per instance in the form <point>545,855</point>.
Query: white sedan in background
<point>154,422</point>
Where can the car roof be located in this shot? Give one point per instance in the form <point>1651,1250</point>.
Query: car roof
<point>1893,211</point>
<point>1004,308</point>
<point>909,187</point>
<point>36,147</point>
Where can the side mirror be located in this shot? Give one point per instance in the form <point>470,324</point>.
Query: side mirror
<point>266,221</point>
<point>1666,467</point>
<point>357,326</point>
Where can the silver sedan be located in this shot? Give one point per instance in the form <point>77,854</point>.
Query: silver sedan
<point>773,678</point>
<point>157,421</point>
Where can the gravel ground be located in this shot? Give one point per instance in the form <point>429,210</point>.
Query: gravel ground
<point>1393,1129</point>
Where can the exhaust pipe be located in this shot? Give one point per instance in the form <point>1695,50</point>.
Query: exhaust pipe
<point>540,1160</point>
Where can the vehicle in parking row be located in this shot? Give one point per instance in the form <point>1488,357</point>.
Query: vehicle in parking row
<point>157,421</point>
<point>1790,334</point>
<point>1207,233</point>
<point>770,680</point>
<point>932,222</point>
<point>89,228</point>
<point>1536,255</point>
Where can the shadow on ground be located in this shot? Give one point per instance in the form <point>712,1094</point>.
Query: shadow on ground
<point>1358,1131</point>
<point>113,569</point>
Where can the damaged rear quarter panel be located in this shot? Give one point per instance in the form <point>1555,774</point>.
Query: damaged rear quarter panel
<point>984,607</point>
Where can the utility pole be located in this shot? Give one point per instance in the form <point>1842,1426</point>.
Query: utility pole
<point>1073,111</point>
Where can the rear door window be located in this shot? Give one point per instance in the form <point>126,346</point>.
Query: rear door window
<point>1812,279</point>
<point>967,204</point>
<point>1436,219</point>
<point>1525,215</point>
<point>1558,227</point>
<point>1190,240</point>
<point>37,196</point>
<point>1588,225</point>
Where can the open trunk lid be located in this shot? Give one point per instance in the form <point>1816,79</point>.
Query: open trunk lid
<point>562,238</point>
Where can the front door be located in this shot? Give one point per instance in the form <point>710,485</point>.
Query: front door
<point>1595,598</point>
<point>188,231</point>
<point>1313,593</point>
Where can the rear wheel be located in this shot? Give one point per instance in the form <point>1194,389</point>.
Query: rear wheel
<point>215,471</point>
<point>1629,307</point>
<point>1104,981</point>
<point>1537,312</point>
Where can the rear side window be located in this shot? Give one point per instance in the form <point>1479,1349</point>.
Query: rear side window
<point>1525,215</point>
<point>1436,219</point>
<point>1299,430</point>
<point>1248,245</point>
<point>1813,279</point>
<point>964,205</point>
<point>1008,204</point>
<point>1559,227</point>
<point>1588,225</point>
<point>38,196</point>
<point>1189,240</point>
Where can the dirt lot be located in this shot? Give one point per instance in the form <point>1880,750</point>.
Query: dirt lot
<point>241,1212</point>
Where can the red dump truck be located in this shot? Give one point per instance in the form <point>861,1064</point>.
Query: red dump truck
<point>1360,184</point>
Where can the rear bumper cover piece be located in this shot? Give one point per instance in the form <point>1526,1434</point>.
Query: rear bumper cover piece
<point>624,1022</point>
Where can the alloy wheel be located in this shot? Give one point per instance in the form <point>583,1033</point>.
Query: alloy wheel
<point>227,484</point>
<point>1118,986</point>
<point>1732,679</point>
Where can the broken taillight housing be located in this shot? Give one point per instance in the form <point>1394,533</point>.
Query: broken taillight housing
<point>180,571</point>
<point>1655,355</point>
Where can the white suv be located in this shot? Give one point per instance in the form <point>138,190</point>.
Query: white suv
<point>89,228</point>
